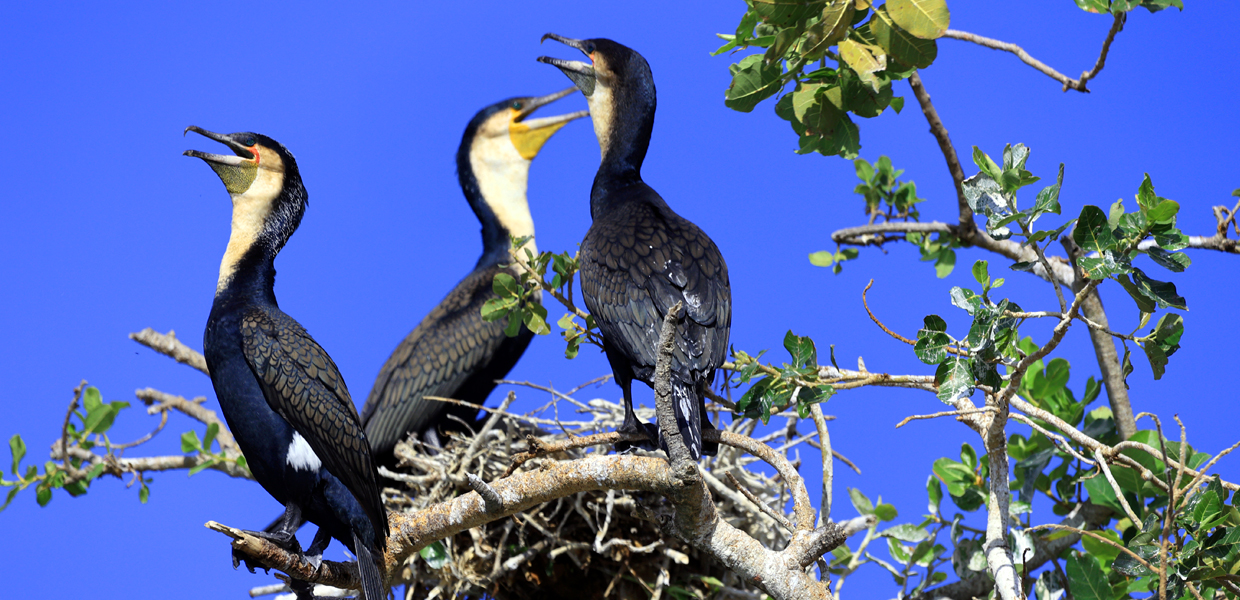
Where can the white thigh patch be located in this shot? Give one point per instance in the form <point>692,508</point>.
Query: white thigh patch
<point>301,456</point>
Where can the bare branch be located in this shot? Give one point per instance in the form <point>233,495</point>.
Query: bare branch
<point>967,226</point>
<point>168,345</point>
<point>1068,83</point>
<point>157,402</point>
<point>491,500</point>
<point>829,537</point>
<point>828,465</point>
<point>1119,493</point>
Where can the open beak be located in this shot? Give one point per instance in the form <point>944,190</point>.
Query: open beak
<point>528,135</point>
<point>242,152</point>
<point>581,73</point>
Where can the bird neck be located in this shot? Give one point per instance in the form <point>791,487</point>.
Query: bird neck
<point>495,184</point>
<point>262,223</point>
<point>623,122</point>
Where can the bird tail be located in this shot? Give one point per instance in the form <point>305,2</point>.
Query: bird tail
<point>687,404</point>
<point>373,587</point>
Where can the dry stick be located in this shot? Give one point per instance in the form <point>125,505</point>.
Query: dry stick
<point>168,345</point>
<point>967,226</point>
<point>837,455</point>
<point>157,401</point>
<point>486,428</point>
<point>762,506</point>
<point>946,413</point>
<point>1100,538</point>
<point>1068,83</point>
<point>1059,440</point>
<point>1119,493</point>
<point>491,498</point>
<point>828,465</point>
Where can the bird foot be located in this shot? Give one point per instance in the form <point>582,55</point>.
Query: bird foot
<point>649,430</point>
<point>285,540</point>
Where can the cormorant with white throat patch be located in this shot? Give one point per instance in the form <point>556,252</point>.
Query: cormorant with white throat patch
<point>454,353</point>
<point>639,257</point>
<point>281,394</point>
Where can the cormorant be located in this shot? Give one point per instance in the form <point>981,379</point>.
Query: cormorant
<point>453,352</point>
<point>282,395</point>
<point>640,258</point>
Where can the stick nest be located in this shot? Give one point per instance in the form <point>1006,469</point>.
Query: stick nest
<point>589,545</point>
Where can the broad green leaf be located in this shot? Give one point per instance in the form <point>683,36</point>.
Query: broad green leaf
<point>1102,494</point>
<point>1086,579</point>
<point>1105,553</point>
<point>906,532</point>
<point>43,494</point>
<point>831,27</point>
<point>92,400</point>
<point>496,308</point>
<point>1093,233</point>
<point>945,263</point>
<point>1158,359</point>
<point>900,44</point>
<point>802,350</point>
<point>1174,261</point>
<point>1163,212</point>
<point>821,258</point>
<point>860,502</point>
<point>1146,199</point>
<point>932,341</point>
<point>753,80</point>
<point>901,553</point>
<point>190,442</point>
<point>505,286</point>
<point>885,512</point>
<point>1162,293</point>
<point>782,12</point>
<point>144,493</point>
<point>1109,264</point>
<point>1144,304</point>
<point>515,318</point>
<point>865,60</point>
<point>954,378</point>
<point>988,199</point>
<point>986,164</point>
<point>981,273</point>
<point>9,498</point>
<point>926,19</point>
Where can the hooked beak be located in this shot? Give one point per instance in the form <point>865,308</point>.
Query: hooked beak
<point>242,152</point>
<point>529,135</point>
<point>581,73</point>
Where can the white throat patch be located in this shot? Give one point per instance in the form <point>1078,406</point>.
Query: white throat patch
<point>301,456</point>
<point>250,211</point>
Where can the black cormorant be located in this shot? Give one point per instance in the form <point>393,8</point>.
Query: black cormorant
<point>453,352</point>
<point>640,258</point>
<point>282,395</point>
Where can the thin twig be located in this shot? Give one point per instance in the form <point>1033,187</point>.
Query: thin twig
<point>946,413</point>
<point>1119,493</point>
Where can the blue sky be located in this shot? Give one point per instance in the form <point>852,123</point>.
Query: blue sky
<point>108,229</point>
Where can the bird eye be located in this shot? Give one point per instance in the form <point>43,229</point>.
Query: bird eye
<point>516,105</point>
<point>249,140</point>
<point>589,48</point>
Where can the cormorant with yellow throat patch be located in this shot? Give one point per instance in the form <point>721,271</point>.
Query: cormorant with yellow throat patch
<point>639,257</point>
<point>454,353</point>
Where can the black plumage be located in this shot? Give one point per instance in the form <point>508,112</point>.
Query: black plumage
<point>639,257</point>
<point>282,396</point>
<point>453,352</point>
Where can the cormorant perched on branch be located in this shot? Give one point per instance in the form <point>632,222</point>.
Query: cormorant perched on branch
<point>640,258</point>
<point>454,353</point>
<point>282,395</point>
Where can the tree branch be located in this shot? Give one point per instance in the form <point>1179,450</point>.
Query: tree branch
<point>967,226</point>
<point>1068,83</point>
<point>168,345</point>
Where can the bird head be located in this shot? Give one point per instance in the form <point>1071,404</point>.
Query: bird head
<point>618,86</point>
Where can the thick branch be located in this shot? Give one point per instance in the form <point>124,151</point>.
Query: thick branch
<point>1068,83</point>
<point>168,345</point>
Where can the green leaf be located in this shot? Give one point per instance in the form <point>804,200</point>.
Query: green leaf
<point>906,532</point>
<point>802,350</point>
<point>1146,199</point>
<point>1103,552</point>
<point>18,447</point>
<point>92,400</point>
<point>43,493</point>
<point>515,318</point>
<point>144,493</point>
<point>860,502</point>
<point>1144,304</point>
<point>206,464</point>
<point>935,493</point>
<point>212,430</point>
<point>1175,261</point>
<point>954,378</point>
<point>536,319</point>
<point>9,499</point>
<point>1163,212</point>
<point>1158,359</point>
<point>1023,266</point>
<point>945,262</point>
<point>865,60</point>
<point>885,512</point>
<point>496,308</point>
<point>932,341</point>
<point>1093,233</point>
<point>832,26</point>
<point>1162,293</point>
<point>821,258</point>
<point>753,80</point>
<point>900,44</point>
<point>505,286</point>
<point>190,443</point>
<point>1086,579</point>
<point>981,273</point>
<point>926,19</point>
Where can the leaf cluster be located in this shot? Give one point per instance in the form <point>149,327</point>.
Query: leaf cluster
<point>795,384</point>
